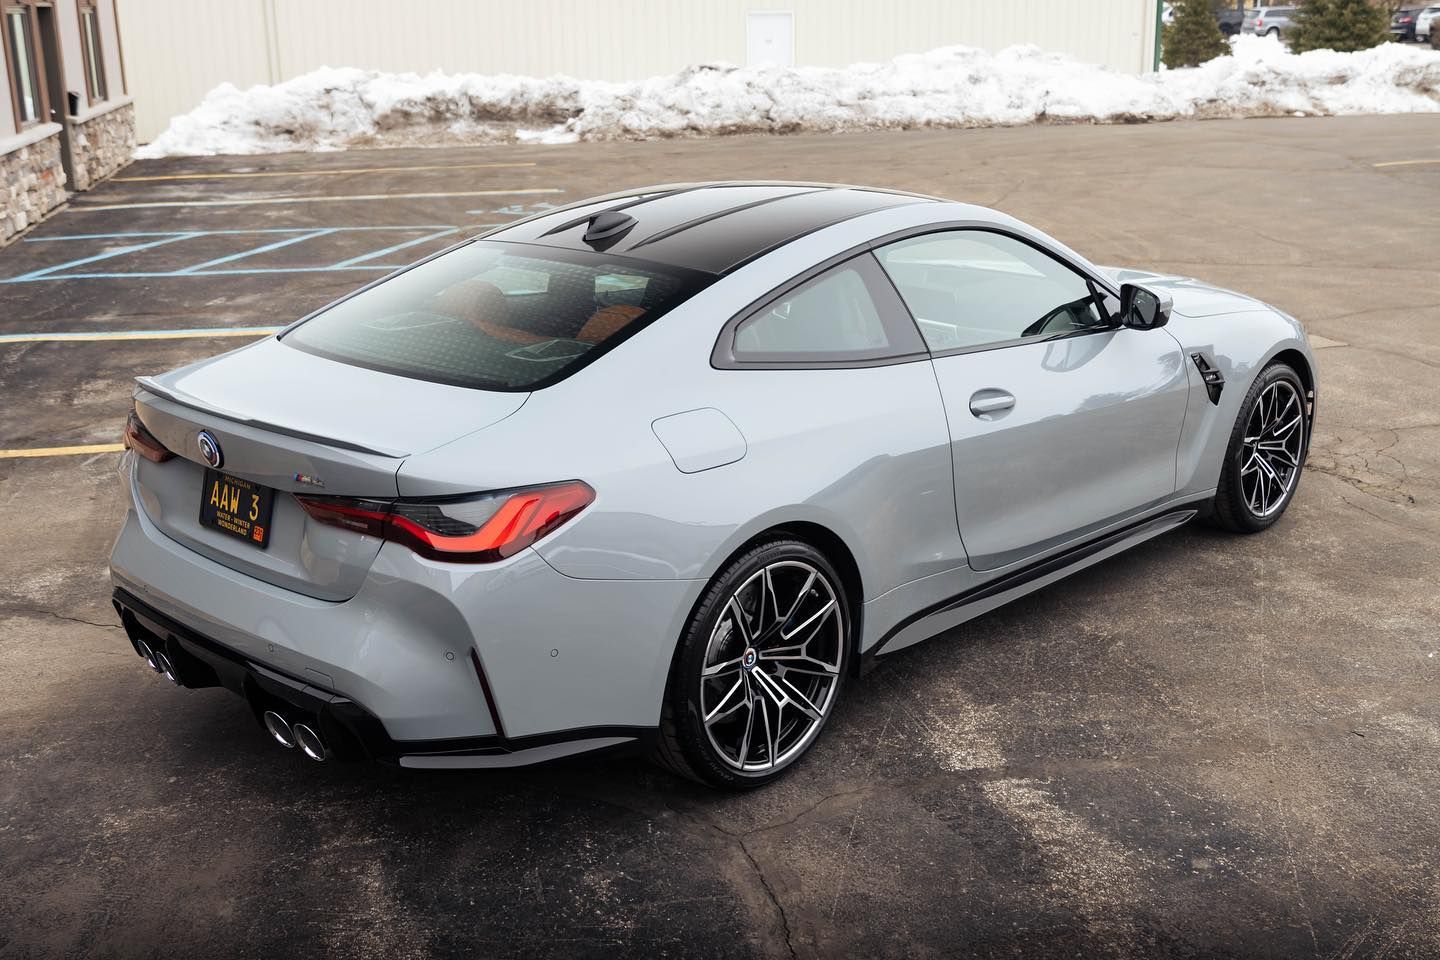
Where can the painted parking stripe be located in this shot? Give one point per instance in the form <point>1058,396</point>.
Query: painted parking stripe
<point>88,208</point>
<point>212,268</point>
<point>86,335</point>
<point>266,248</point>
<point>1405,163</point>
<point>119,251</point>
<point>397,247</point>
<point>251,271</point>
<point>221,233</point>
<point>313,173</point>
<point>62,451</point>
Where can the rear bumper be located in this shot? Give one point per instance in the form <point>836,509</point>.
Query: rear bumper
<point>429,662</point>
<point>349,730</point>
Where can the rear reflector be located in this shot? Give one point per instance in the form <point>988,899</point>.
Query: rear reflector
<point>142,441</point>
<point>479,529</point>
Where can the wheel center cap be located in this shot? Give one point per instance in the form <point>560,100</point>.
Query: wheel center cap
<point>750,658</point>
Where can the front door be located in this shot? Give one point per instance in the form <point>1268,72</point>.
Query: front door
<point>1061,422</point>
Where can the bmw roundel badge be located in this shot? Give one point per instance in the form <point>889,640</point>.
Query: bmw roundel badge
<point>210,449</point>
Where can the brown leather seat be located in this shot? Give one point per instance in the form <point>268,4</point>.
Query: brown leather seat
<point>482,304</point>
<point>608,321</point>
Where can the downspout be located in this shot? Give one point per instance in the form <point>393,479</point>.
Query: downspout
<point>1159,15</point>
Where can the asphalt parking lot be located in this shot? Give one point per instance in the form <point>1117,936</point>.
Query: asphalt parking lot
<point>1210,746</point>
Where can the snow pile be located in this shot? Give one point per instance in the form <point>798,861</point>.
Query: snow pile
<point>332,109</point>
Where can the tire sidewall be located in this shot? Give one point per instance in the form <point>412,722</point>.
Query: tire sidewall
<point>684,686</point>
<point>1236,453</point>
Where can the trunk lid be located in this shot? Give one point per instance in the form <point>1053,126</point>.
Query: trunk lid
<point>297,424</point>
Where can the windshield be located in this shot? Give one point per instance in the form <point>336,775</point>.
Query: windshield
<point>497,316</point>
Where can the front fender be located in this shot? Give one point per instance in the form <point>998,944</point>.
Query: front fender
<point>1240,345</point>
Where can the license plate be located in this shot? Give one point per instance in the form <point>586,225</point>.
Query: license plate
<point>237,507</point>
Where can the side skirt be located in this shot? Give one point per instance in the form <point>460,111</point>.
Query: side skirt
<point>1000,591</point>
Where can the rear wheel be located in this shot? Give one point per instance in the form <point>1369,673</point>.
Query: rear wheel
<point>1266,453</point>
<point>760,668</point>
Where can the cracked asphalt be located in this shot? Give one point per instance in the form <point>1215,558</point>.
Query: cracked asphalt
<point>1210,746</point>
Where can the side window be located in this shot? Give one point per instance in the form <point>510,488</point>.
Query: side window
<point>848,313</point>
<point>970,288</point>
<point>90,47</point>
<point>24,76</point>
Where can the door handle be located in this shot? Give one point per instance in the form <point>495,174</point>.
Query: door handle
<point>985,403</point>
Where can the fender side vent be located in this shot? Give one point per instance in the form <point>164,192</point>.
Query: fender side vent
<point>1214,379</point>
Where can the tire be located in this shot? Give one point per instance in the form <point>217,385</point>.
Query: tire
<point>1273,33</point>
<point>764,659</point>
<point>1260,476</point>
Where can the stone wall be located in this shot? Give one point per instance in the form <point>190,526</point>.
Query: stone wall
<point>32,183</point>
<point>101,145</point>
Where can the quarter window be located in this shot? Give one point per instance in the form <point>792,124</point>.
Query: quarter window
<point>94,64</point>
<point>973,288</point>
<point>847,314</point>
<point>24,76</point>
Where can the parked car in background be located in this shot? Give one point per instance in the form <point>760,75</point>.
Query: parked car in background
<point>1403,26</point>
<point>1268,21</point>
<point>1425,20</point>
<point>1230,18</point>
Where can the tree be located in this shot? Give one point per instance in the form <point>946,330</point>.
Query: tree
<point>1193,36</point>
<point>1343,25</point>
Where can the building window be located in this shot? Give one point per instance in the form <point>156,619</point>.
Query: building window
<point>94,64</point>
<point>24,77</point>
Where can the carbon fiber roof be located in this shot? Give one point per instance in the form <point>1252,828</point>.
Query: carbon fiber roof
<point>714,227</point>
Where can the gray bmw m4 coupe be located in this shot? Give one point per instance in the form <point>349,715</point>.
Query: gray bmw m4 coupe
<point>671,468</point>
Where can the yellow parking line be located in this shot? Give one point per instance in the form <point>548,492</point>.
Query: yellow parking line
<point>314,173</point>
<point>62,451</point>
<point>1404,163</point>
<point>528,192</point>
<point>204,334</point>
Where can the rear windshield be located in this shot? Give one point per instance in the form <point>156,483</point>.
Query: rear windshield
<point>497,316</point>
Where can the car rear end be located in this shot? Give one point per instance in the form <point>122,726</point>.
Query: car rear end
<point>1403,23</point>
<point>269,547</point>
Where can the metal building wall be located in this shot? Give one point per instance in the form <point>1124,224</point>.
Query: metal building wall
<point>174,53</point>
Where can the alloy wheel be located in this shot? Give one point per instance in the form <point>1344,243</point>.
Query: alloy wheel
<point>772,666</point>
<point>1272,447</point>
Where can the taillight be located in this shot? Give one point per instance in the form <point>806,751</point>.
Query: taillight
<point>479,529</point>
<point>142,441</point>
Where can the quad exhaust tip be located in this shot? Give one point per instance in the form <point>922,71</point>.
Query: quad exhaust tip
<point>280,729</point>
<point>310,743</point>
<point>162,664</point>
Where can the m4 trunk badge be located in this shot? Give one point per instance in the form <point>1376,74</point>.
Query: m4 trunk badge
<point>305,478</point>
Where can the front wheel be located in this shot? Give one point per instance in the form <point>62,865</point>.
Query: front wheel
<point>1266,453</point>
<point>760,668</point>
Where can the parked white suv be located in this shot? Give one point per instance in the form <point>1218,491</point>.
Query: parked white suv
<point>1423,20</point>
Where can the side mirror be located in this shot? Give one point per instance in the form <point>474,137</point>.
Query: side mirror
<point>1144,309</point>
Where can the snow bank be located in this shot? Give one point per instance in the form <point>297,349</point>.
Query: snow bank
<point>332,109</point>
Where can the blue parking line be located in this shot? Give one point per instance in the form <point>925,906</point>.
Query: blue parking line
<point>287,236</point>
<point>399,246</point>
<point>200,267</point>
<point>135,248</point>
